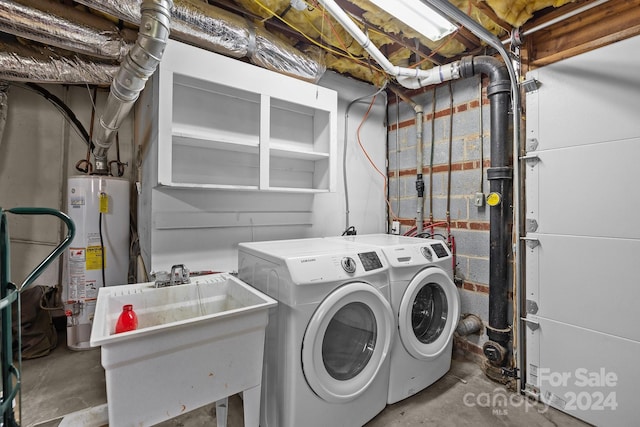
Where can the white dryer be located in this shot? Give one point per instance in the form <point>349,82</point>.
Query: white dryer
<point>327,343</point>
<point>426,306</point>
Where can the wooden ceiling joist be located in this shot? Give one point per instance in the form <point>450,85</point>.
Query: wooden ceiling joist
<point>612,21</point>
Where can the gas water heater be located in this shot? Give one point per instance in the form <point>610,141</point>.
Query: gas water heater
<point>99,254</point>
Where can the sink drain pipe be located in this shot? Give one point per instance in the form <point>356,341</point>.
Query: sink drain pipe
<point>499,175</point>
<point>498,325</point>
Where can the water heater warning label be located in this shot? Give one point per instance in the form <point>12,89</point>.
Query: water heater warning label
<point>76,274</point>
<point>94,258</point>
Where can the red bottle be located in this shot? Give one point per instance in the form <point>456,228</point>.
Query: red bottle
<point>128,321</point>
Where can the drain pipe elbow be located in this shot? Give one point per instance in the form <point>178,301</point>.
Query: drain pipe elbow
<point>468,325</point>
<point>415,79</point>
<point>139,64</point>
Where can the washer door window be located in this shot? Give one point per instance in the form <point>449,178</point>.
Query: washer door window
<point>428,314</point>
<point>347,342</point>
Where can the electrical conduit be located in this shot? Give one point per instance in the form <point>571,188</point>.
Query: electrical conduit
<point>419,158</point>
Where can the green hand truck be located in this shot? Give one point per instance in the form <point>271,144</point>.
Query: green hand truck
<point>10,294</point>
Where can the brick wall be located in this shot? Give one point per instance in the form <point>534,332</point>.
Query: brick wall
<point>469,160</point>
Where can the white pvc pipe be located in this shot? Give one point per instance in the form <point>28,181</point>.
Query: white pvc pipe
<point>411,78</point>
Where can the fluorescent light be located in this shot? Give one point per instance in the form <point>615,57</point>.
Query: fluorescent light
<point>418,16</point>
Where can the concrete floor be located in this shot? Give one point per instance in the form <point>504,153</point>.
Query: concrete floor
<point>66,382</point>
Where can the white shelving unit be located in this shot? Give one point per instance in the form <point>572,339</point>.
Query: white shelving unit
<point>226,124</point>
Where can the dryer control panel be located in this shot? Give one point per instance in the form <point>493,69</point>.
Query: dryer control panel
<point>370,261</point>
<point>440,250</point>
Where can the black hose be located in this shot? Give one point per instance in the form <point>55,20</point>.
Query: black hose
<point>102,250</point>
<point>64,108</point>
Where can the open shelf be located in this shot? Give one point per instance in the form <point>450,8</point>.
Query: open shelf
<point>206,138</point>
<point>286,151</point>
<point>226,124</point>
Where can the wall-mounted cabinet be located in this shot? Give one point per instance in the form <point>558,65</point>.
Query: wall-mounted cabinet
<point>223,123</point>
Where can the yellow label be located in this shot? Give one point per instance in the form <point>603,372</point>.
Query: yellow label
<point>104,203</point>
<point>94,258</point>
<point>494,199</point>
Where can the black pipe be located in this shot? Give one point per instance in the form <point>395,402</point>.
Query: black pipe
<point>499,175</point>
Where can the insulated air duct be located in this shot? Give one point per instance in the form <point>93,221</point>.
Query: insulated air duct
<point>48,65</point>
<point>138,66</point>
<point>218,30</point>
<point>55,24</point>
<point>197,23</point>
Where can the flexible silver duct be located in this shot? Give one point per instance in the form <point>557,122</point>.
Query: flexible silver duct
<point>221,31</point>
<point>46,65</point>
<point>139,64</point>
<point>55,24</point>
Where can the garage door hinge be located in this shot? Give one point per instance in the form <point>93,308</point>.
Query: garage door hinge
<point>532,392</point>
<point>531,225</point>
<point>531,85</point>
<point>531,324</point>
<point>532,159</point>
<point>531,242</point>
<point>532,144</point>
<point>532,307</point>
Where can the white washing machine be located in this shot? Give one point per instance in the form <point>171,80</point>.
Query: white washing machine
<point>426,307</point>
<point>327,343</point>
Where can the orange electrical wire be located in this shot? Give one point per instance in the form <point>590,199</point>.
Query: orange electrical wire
<point>358,60</point>
<point>335,32</point>
<point>384,177</point>
<point>436,50</point>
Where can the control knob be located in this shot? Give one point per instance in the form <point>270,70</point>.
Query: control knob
<point>348,264</point>
<point>426,252</point>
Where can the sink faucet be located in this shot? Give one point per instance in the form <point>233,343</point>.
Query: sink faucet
<point>179,275</point>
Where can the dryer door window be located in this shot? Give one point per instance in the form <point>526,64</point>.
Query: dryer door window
<point>428,313</point>
<point>347,342</point>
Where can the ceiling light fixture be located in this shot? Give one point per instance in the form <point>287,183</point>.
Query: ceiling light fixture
<point>418,16</point>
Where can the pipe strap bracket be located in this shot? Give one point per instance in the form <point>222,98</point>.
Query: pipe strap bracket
<point>498,330</point>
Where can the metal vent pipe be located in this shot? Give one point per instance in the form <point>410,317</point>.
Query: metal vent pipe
<point>139,64</point>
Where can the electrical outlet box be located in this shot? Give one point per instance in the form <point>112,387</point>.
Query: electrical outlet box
<point>478,199</point>
<point>395,227</point>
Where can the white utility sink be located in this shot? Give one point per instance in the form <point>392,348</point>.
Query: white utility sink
<point>195,344</point>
